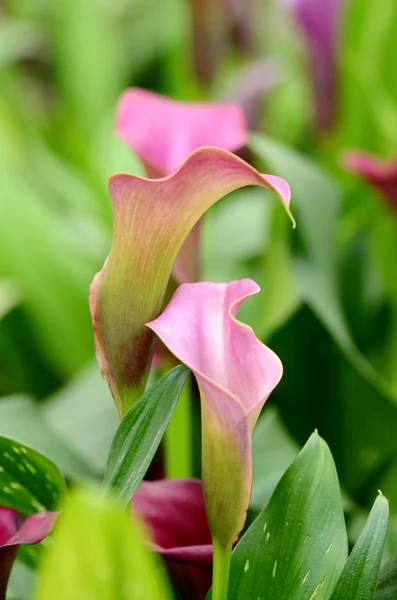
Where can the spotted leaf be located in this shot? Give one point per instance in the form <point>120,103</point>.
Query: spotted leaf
<point>29,481</point>
<point>297,547</point>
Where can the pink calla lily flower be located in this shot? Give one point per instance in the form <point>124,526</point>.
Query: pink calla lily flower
<point>173,510</point>
<point>152,219</point>
<point>163,132</point>
<point>16,529</point>
<point>235,373</point>
<point>318,22</point>
<point>379,174</point>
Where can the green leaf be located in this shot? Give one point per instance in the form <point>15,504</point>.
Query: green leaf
<point>8,297</point>
<point>297,546</point>
<point>273,450</point>
<point>99,553</point>
<point>387,586</point>
<point>140,433</point>
<point>315,202</point>
<point>83,414</point>
<point>360,576</point>
<point>29,481</point>
<point>22,420</point>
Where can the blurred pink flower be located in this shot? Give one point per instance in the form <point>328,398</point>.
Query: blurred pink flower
<point>235,373</point>
<point>163,132</point>
<point>152,219</point>
<point>17,529</point>
<point>379,174</point>
<point>318,21</point>
<point>174,511</point>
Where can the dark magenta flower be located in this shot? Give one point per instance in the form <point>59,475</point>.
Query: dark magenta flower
<point>17,529</point>
<point>379,174</point>
<point>174,512</point>
<point>318,20</point>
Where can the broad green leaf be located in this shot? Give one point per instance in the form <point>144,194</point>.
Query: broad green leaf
<point>52,279</point>
<point>83,414</point>
<point>273,450</point>
<point>29,481</point>
<point>22,420</point>
<point>99,552</point>
<point>90,58</point>
<point>387,586</point>
<point>140,433</point>
<point>260,234</point>
<point>315,200</point>
<point>297,546</point>
<point>360,575</point>
<point>368,35</point>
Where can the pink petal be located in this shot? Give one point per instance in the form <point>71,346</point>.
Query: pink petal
<point>174,511</point>
<point>235,373</point>
<point>380,174</point>
<point>163,132</point>
<point>152,219</point>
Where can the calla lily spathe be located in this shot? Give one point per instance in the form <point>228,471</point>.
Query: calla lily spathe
<point>173,510</point>
<point>379,174</point>
<point>319,22</point>
<point>152,219</point>
<point>17,529</point>
<point>163,132</point>
<point>235,373</point>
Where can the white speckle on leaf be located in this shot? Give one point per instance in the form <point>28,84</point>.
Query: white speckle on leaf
<point>16,486</point>
<point>30,468</point>
<point>328,549</point>
<point>305,577</point>
<point>265,527</point>
<point>8,456</point>
<point>268,536</point>
<point>305,540</point>
<point>322,533</point>
<point>16,449</point>
<point>274,569</point>
<point>247,565</point>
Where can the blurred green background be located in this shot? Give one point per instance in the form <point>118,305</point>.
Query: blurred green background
<point>328,305</point>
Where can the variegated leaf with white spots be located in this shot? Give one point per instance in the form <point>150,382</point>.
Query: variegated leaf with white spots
<point>29,481</point>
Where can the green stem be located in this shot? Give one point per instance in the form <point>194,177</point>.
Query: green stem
<point>220,570</point>
<point>178,439</point>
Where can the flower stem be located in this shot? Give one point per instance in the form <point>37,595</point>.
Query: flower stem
<point>178,439</point>
<point>221,569</point>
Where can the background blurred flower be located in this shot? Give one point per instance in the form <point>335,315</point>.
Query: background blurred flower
<point>235,373</point>
<point>174,511</point>
<point>319,22</point>
<point>152,219</point>
<point>379,174</point>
